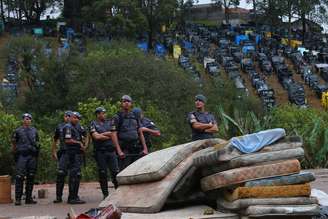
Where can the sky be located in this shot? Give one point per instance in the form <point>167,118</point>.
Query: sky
<point>243,3</point>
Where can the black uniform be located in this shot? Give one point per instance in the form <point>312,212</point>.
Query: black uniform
<point>105,155</point>
<point>61,168</point>
<point>72,159</point>
<point>202,117</point>
<point>27,149</point>
<point>127,126</point>
<point>147,123</point>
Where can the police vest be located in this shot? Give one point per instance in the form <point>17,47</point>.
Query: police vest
<point>198,134</point>
<point>26,139</point>
<point>128,125</point>
<point>102,145</point>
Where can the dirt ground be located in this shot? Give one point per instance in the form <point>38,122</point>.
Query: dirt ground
<point>90,192</point>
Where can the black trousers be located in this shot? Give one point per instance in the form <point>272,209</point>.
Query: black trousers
<point>107,160</point>
<point>132,151</point>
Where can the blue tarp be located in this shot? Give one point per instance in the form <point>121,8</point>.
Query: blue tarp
<point>258,39</point>
<point>256,141</point>
<point>247,49</point>
<point>160,50</point>
<point>186,45</point>
<point>143,46</point>
<point>241,38</point>
<point>70,33</point>
<point>38,31</point>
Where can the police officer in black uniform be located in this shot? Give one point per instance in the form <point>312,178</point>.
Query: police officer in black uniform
<point>148,127</point>
<point>74,135</point>
<point>202,123</point>
<point>104,142</point>
<point>127,126</point>
<point>57,155</point>
<point>25,147</point>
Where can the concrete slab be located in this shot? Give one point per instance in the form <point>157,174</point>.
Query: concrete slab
<point>195,212</point>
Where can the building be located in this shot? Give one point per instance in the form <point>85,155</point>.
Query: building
<point>213,12</point>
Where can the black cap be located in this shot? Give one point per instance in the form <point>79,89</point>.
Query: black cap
<point>100,110</point>
<point>26,115</point>
<point>200,97</point>
<point>127,98</point>
<point>77,114</point>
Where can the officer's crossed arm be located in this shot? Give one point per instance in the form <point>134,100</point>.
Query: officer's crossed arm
<point>153,132</point>
<point>215,128</point>
<point>69,140</point>
<point>198,125</point>
<point>99,136</point>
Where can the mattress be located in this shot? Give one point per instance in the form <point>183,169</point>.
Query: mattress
<point>282,210</point>
<point>228,152</point>
<point>300,178</point>
<point>301,190</point>
<point>244,174</point>
<point>158,164</point>
<point>245,203</point>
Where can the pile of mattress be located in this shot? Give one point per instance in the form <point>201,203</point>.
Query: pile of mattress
<point>266,182</point>
<point>254,175</point>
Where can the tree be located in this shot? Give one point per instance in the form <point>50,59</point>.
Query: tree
<point>133,16</point>
<point>226,5</point>
<point>29,10</point>
<point>157,13</point>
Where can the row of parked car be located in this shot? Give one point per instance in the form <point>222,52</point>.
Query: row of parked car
<point>10,81</point>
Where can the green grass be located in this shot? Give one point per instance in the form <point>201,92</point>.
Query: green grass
<point>209,23</point>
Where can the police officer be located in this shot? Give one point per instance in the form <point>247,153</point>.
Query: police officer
<point>127,126</point>
<point>25,147</point>
<point>202,123</point>
<point>74,135</point>
<point>104,142</point>
<point>148,127</point>
<point>57,155</point>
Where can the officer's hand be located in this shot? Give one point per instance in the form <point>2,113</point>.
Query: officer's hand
<point>121,154</point>
<point>145,151</point>
<point>54,156</point>
<point>83,148</point>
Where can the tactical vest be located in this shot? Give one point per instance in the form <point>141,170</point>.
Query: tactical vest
<point>128,126</point>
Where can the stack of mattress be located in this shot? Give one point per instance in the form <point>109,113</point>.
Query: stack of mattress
<point>268,182</point>
<point>145,185</point>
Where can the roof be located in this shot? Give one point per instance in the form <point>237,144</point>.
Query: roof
<point>236,10</point>
<point>239,10</point>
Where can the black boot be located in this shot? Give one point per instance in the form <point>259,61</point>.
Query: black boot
<point>59,189</point>
<point>114,180</point>
<point>29,189</point>
<point>73,196</point>
<point>104,186</point>
<point>18,189</point>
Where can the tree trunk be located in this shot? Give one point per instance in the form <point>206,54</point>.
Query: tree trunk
<point>226,15</point>
<point>255,13</point>
<point>8,8</point>
<point>303,27</point>
<point>2,11</point>
<point>151,28</point>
